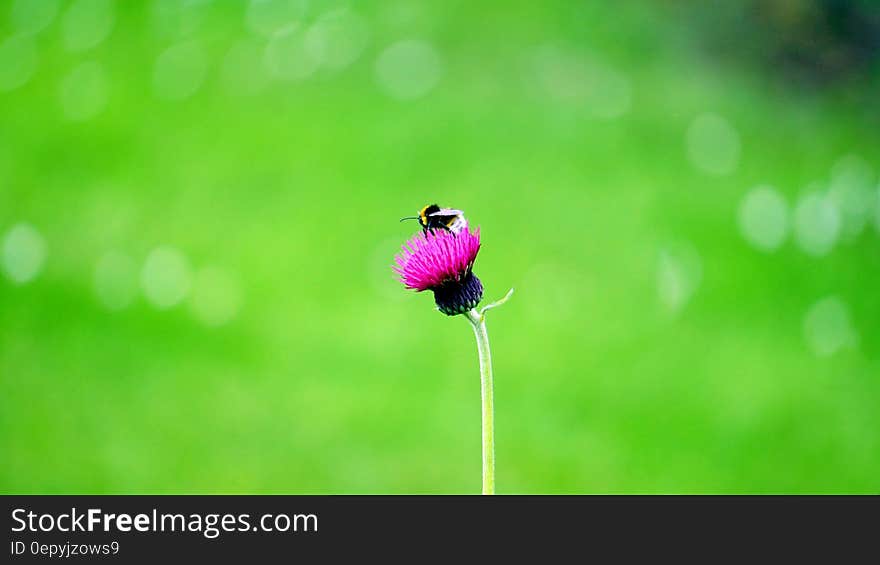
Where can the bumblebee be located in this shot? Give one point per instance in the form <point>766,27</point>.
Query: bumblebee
<point>433,217</point>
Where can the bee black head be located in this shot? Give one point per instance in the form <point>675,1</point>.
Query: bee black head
<point>425,212</point>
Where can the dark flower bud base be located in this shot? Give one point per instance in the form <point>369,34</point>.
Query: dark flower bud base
<point>457,297</point>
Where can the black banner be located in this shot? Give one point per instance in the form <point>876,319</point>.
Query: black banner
<point>133,529</point>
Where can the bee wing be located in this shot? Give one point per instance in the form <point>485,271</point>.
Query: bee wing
<point>457,224</point>
<point>447,212</point>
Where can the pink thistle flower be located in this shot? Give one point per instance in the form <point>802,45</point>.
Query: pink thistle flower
<point>442,262</point>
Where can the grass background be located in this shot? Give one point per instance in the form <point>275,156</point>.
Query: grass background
<point>649,347</point>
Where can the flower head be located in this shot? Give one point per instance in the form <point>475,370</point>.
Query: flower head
<point>442,261</point>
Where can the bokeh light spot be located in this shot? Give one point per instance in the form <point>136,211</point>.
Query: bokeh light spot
<point>165,277</point>
<point>216,296</point>
<point>24,253</point>
<point>87,23</point>
<point>179,18</point>
<point>816,223</point>
<point>84,92</point>
<point>713,145</point>
<point>828,327</point>
<point>579,80</point>
<point>287,57</point>
<point>337,39</point>
<point>852,191</point>
<point>763,218</point>
<point>679,274</point>
<point>610,95</point>
<point>409,69</point>
<point>18,59</point>
<point>877,210</point>
<point>33,16</point>
<point>115,280</point>
<point>179,71</point>
<point>267,17</point>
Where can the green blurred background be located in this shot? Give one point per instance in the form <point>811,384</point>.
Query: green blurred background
<point>198,213</point>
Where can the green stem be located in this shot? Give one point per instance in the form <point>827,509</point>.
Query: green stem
<point>478,322</point>
<point>487,390</point>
